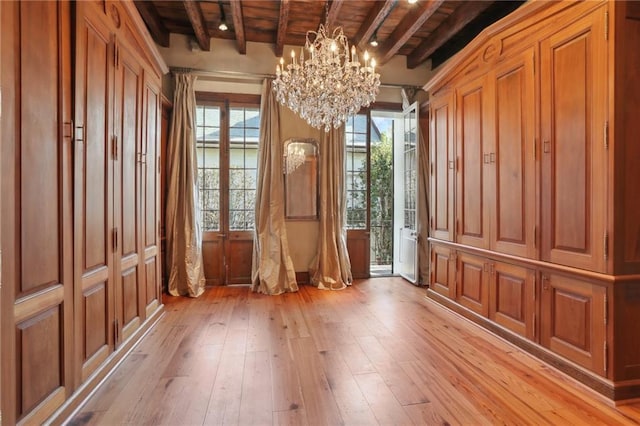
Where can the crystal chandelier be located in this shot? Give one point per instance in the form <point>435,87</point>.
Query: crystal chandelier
<point>296,156</point>
<point>331,84</point>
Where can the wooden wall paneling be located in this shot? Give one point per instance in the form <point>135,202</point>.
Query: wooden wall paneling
<point>36,218</point>
<point>513,219</point>
<point>512,298</point>
<point>93,193</point>
<point>443,269</point>
<point>573,118</point>
<point>474,156</point>
<point>442,164</point>
<point>573,320</point>
<point>472,282</point>
<point>128,267</point>
<point>152,294</point>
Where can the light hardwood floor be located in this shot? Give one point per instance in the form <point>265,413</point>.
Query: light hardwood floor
<point>375,353</point>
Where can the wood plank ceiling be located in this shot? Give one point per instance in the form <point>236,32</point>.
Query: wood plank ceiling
<point>426,29</point>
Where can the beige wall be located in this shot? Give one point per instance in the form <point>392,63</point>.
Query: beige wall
<point>226,71</point>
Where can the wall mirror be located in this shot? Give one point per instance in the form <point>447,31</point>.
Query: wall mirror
<point>300,168</point>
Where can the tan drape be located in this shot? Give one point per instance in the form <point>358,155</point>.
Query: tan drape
<point>423,208</point>
<point>272,270</point>
<point>184,236</point>
<point>331,269</point>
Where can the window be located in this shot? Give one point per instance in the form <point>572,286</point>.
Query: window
<point>208,152</point>
<point>243,164</point>
<point>356,173</point>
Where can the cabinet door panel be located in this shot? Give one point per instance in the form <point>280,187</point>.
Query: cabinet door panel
<point>573,115</point>
<point>513,220</point>
<point>472,287</point>
<point>442,163</point>
<point>473,153</point>
<point>573,324</point>
<point>512,298</point>
<point>442,273</point>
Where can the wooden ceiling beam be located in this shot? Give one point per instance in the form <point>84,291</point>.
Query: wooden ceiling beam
<point>454,23</point>
<point>283,21</point>
<point>199,25</point>
<point>411,23</point>
<point>238,26</point>
<point>334,10</point>
<point>374,19</point>
<point>153,21</point>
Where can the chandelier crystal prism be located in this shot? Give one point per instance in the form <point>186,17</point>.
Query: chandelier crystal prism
<point>331,84</point>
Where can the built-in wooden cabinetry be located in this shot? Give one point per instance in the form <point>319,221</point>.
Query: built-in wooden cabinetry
<point>534,226</point>
<point>80,189</point>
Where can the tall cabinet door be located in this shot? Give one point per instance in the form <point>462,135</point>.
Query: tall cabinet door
<point>474,153</point>
<point>37,274</point>
<point>128,272</point>
<point>573,122</point>
<point>94,231</point>
<point>513,159</point>
<point>442,163</point>
<point>151,292</point>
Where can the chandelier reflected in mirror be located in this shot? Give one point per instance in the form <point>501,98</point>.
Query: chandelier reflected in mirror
<point>330,84</point>
<point>294,158</point>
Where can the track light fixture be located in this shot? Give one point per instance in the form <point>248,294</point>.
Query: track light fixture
<point>223,21</point>
<point>374,39</point>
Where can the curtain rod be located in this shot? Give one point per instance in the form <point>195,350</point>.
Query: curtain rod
<point>241,75</point>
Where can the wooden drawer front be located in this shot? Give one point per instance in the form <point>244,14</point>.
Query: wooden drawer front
<point>573,320</point>
<point>473,291</point>
<point>512,298</point>
<point>442,273</point>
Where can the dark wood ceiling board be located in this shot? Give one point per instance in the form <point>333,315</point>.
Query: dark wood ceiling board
<point>452,25</point>
<point>374,19</point>
<point>238,27</point>
<point>150,15</point>
<point>407,27</point>
<point>283,22</point>
<point>334,10</point>
<point>200,29</point>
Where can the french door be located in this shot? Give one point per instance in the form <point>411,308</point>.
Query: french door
<point>227,132</point>
<point>408,259</point>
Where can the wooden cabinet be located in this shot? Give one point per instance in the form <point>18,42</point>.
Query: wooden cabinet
<point>545,110</point>
<point>512,298</point>
<point>573,316</point>
<point>80,199</point>
<point>573,93</point>
<point>442,164</point>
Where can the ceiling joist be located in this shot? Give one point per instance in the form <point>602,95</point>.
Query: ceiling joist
<point>150,16</point>
<point>334,10</point>
<point>194,12</point>
<point>283,21</point>
<point>411,23</point>
<point>454,23</point>
<point>374,19</point>
<point>238,27</point>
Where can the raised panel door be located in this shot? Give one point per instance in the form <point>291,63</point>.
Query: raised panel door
<point>442,162</point>
<point>472,287</point>
<point>573,320</point>
<point>93,191</point>
<point>474,150</point>
<point>512,161</point>
<point>128,266</point>
<point>443,271</point>
<point>37,262</point>
<point>512,298</point>
<point>573,122</point>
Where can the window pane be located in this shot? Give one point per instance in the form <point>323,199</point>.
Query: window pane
<point>356,165</point>
<point>207,150</point>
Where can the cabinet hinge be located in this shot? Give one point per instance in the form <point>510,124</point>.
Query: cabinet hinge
<point>114,239</point>
<point>606,135</point>
<point>114,147</point>
<point>0,106</point>
<point>605,348</point>
<point>535,147</point>
<point>116,56</point>
<point>606,245</point>
<point>534,324</point>
<point>457,226</point>
<point>535,237</point>
<point>606,310</point>
<point>533,64</point>
<point>533,291</point>
<point>606,25</point>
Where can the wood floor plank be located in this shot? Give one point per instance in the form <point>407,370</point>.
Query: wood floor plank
<point>377,352</point>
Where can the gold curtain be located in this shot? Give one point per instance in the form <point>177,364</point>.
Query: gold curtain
<point>423,207</point>
<point>184,236</point>
<point>331,268</point>
<point>272,270</point>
